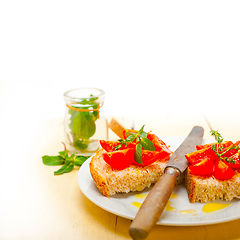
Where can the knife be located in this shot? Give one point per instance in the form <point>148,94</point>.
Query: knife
<point>156,200</point>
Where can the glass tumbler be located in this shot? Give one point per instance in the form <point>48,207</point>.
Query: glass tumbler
<point>85,122</point>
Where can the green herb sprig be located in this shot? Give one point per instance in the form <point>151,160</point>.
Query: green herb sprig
<point>142,143</point>
<point>82,123</point>
<point>122,143</point>
<point>217,148</point>
<point>65,159</point>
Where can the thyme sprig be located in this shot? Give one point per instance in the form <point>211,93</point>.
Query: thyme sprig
<point>218,149</point>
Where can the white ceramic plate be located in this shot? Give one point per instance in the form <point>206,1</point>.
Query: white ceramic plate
<point>179,212</point>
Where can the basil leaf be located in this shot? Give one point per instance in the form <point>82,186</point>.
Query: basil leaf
<point>141,129</point>
<point>130,133</point>
<point>64,169</point>
<point>71,158</point>
<point>138,153</point>
<point>147,144</point>
<point>64,154</point>
<point>72,118</point>
<point>80,144</point>
<point>141,133</point>
<point>52,160</point>
<point>83,126</point>
<point>79,160</point>
<point>131,138</point>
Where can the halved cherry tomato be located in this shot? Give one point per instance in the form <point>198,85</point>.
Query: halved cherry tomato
<point>204,167</point>
<point>222,171</point>
<point>232,151</point>
<point>148,157</point>
<point>198,156</point>
<point>208,145</point>
<point>236,158</point>
<point>125,135</point>
<point>120,159</point>
<point>130,145</point>
<point>159,145</point>
<point>109,146</point>
<point>223,145</point>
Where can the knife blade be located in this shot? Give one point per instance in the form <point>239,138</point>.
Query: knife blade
<point>178,160</point>
<point>156,200</point>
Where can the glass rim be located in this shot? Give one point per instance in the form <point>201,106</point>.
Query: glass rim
<point>101,93</point>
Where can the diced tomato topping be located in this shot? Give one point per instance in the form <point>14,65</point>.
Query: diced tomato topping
<point>159,145</point>
<point>198,156</point>
<point>130,145</point>
<point>208,145</point>
<point>148,157</point>
<point>204,167</point>
<point>236,158</point>
<point>223,145</point>
<point>222,171</point>
<point>120,159</point>
<point>109,146</point>
<point>232,151</point>
<point>205,160</point>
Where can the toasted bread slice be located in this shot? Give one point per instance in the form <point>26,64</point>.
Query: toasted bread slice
<point>208,188</point>
<point>133,178</point>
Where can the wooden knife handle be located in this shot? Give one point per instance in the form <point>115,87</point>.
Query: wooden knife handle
<point>153,205</point>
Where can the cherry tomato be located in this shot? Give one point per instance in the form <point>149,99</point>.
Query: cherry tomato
<point>159,145</point>
<point>198,156</point>
<point>120,159</point>
<point>222,171</point>
<point>109,146</point>
<point>204,167</point>
<point>232,151</point>
<point>148,157</point>
<point>223,144</point>
<point>236,158</point>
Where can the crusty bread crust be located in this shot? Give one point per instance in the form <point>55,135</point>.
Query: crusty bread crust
<point>203,189</point>
<point>208,188</point>
<point>133,178</point>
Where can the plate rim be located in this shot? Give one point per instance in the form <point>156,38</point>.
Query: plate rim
<point>84,170</point>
